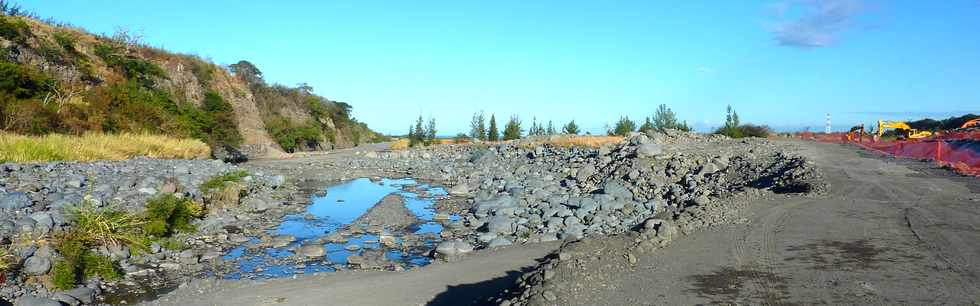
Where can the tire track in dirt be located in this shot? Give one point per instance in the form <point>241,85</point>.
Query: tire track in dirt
<point>947,246</point>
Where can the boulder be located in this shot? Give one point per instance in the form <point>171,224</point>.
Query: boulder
<point>14,200</point>
<point>84,294</point>
<point>36,265</point>
<point>649,150</point>
<point>500,225</point>
<point>311,251</point>
<point>276,181</point>
<point>35,301</point>
<point>617,190</point>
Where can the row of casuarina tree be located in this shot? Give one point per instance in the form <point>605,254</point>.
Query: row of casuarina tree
<point>422,133</point>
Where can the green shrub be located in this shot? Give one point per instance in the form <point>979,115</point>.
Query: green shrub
<point>172,243</point>
<point>104,225</point>
<point>219,181</point>
<point>623,127</point>
<point>14,29</point>
<point>142,70</point>
<point>71,247</point>
<point>223,129</point>
<point>63,275</point>
<point>65,39</point>
<point>290,135</point>
<point>168,214</point>
<point>21,82</point>
<point>93,265</point>
<point>751,130</point>
<point>109,53</point>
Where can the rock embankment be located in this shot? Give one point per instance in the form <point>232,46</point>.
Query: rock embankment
<point>35,205</point>
<point>528,193</point>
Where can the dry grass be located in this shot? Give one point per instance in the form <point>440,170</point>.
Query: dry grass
<point>55,147</point>
<point>577,141</point>
<point>399,144</point>
<point>583,141</point>
<point>402,143</point>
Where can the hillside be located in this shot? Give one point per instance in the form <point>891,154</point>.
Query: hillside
<point>60,79</point>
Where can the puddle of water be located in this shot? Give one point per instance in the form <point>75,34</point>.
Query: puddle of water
<point>329,213</point>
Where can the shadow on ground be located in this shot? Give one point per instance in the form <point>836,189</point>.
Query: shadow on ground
<point>479,293</point>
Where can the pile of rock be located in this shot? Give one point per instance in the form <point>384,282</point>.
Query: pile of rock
<point>34,198</point>
<point>524,193</point>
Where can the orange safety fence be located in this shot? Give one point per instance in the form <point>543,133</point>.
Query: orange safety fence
<point>958,150</point>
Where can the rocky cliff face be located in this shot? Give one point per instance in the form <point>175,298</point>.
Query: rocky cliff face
<point>74,64</point>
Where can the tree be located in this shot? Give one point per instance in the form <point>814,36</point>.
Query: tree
<point>731,127</point>
<point>430,132</point>
<point>478,129</point>
<point>247,72</point>
<point>665,118</point>
<point>411,136</point>
<point>418,134</point>
<point>647,126</point>
<point>570,128</point>
<point>623,127</point>
<point>493,134</point>
<point>551,128</point>
<point>513,130</point>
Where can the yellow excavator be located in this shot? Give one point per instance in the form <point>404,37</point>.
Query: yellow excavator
<point>909,132</point>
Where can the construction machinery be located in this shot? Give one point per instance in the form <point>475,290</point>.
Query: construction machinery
<point>971,123</point>
<point>857,132</point>
<point>904,128</point>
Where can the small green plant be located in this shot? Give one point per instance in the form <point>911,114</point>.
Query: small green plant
<point>219,181</point>
<point>6,260</point>
<point>93,265</point>
<point>172,243</point>
<point>168,214</point>
<point>64,275</point>
<point>105,226</point>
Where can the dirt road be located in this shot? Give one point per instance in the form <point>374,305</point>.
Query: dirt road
<point>465,282</point>
<point>885,234</point>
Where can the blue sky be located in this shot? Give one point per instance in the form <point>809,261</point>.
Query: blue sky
<point>783,63</point>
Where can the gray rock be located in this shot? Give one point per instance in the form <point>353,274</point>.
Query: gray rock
<point>281,241</point>
<point>311,251</point>
<point>83,294</point>
<point>649,150</point>
<point>14,200</point>
<point>500,225</point>
<point>36,265</point>
<point>460,189</point>
<point>256,205</point>
<point>66,299</point>
<point>585,172</point>
<point>499,242</point>
<point>35,301</point>
<point>449,249</point>
<point>617,190</point>
<point>276,181</point>
<point>43,219</point>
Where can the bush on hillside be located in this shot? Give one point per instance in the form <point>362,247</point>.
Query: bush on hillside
<point>290,136</point>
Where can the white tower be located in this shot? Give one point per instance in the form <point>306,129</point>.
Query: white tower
<point>827,128</point>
